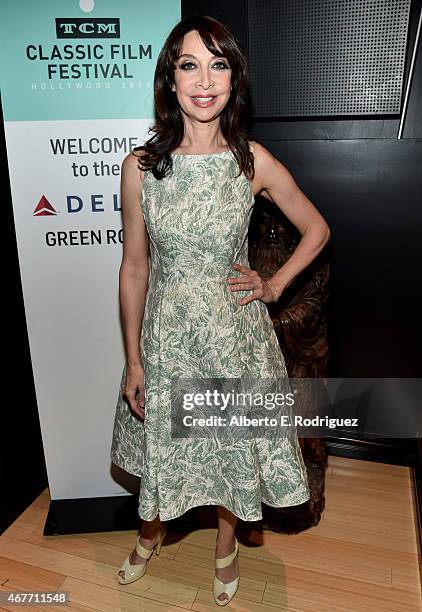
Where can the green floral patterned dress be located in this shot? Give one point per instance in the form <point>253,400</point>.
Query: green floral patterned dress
<point>197,219</point>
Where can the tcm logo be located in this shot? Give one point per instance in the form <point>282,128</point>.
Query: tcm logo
<point>106,27</point>
<point>44,208</point>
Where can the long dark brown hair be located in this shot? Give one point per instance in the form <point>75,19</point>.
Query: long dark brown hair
<point>168,129</point>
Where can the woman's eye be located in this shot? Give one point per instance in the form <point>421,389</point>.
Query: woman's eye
<point>185,64</point>
<point>222,65</point>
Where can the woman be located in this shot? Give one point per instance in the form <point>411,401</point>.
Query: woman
<point>185,282</point>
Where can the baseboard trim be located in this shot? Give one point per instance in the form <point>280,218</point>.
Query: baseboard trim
<point>394,452</point>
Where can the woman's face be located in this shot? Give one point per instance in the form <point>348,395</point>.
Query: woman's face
<point>202,82</point>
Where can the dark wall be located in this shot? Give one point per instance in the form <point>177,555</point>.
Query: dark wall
<point>367,184</point>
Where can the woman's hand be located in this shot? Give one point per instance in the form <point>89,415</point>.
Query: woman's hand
<point>134,389</point>
<point>250,280</point>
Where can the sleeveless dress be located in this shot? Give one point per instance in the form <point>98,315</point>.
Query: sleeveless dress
<point>197,220</point>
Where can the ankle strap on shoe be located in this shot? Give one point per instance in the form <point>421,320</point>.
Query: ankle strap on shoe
<point>145,553</point>
<point>225,561</point>
<point>142,551</point>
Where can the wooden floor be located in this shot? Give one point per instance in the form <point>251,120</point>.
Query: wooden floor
<point>361,557</point>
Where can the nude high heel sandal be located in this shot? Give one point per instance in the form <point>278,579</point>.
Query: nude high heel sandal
<point>137,570</point>
<point>231,587</point>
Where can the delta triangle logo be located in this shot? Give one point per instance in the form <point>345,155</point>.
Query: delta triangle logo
<point>44,208</point>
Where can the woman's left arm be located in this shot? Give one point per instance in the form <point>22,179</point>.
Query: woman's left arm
<point>275,183</point>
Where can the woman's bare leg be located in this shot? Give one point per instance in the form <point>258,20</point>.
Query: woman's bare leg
<point>224,545</point>
<point>150,532</point>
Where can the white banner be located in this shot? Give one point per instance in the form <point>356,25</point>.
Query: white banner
<point>66,137</point>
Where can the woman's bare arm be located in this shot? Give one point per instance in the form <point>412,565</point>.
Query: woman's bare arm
<point>134,269</point>
<point>276,183</point>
